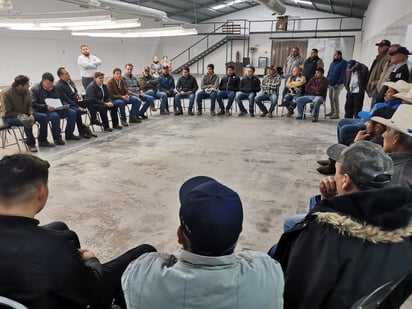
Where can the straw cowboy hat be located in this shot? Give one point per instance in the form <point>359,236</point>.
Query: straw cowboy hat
<point>401,120</point>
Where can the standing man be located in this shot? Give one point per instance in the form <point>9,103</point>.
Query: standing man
<point>69,94</point>
<point>398,69</point>
<point>88,65</point>
<point>336,77</point>
<point>248,87</point>
<point>120,97</point>
<point>293,60</point>
<point>167,86</point>
<point>186,88</point>
<point>39,94</point>
<point>270,91</point>
<point>311,64</point>
<point>209,87</point>
<point>316,90</point>
<point>228,87</point>
<point>16,109</point>
<point>207,273</point>
<point>376,70</point>
<point>356,79</point>
<point>132,85</point>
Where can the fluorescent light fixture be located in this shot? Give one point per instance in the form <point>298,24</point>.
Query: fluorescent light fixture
<point>303,2</point>
<point>141,33</point>
<point>221,6</point>
<point>73,24</point>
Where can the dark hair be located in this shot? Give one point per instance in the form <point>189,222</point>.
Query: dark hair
<point>315,50</point>
<point>211,65</point>
<point>319,69</point>
<point>47,76</point>
<point>20,177</point>
<point>339,52</point>
<point>84,45</point>
<point>128,65</point>
<point>60,71</point>
<point>186,69</point>
<point>117,70</point>
<point>98,74</point>
<point>250,67</point>
<point>20,80</point>
<point>230,67</point>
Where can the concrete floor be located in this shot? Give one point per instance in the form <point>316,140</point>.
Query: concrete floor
<point>121,189</point>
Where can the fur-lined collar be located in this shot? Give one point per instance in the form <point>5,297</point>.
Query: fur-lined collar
<point>346,226</point>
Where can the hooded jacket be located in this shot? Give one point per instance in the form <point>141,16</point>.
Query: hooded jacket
<point>346,247</point>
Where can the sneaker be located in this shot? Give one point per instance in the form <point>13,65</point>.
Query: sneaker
<point>270,115</point>
<point>314,120</point>
<point>228,113</point>
<point>178,113</point>
<point>46,144</point>
<point>142,116</point>
<point>263,114</point>
<point>73,138</point>
<point>251,115</point>
<point>212,113</point>
<point>330,114</point>
<point>117,127</point>
<point>191,113</point>
<point>299,117</point>
<point>164,112</point>
<point>241,114</point>
<point>221,112</point>
<point>334,116</point>
<point>124,123</point>
<point>85,135</point>
<point>153,109</point>
<point>199,113</point>
<point>108,129</point>
<point>135,120</point>
<point>59,142</point>
<point>32,148</point>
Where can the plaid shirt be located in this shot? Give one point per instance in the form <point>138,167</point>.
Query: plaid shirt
<point>270,84</point>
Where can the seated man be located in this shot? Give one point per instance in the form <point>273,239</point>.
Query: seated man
<point>316,90</point>
<point>167,86</point>
<point>98,96</point>
<point>39,94</point>
<point>186,88</point>
<point>148,86</point>
<point>44,266</point>
<point>207,273</point>
<point>134,89</point>
<point>119,95</point>
<point>228,87</point>
<point>295,86</point>
<point>248,87</point>
<point>209,86</point>
<point>16,110</point>
<point>270,91</point>
<point>358,235</point>
<point>70,95</point>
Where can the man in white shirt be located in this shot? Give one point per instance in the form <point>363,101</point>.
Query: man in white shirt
<point>88,65</point>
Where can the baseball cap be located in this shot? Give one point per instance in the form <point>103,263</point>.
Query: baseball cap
<point>401,120</point>
<point>384,43</point>
<point>351,63</point>
<point>211,215</point>
<point>400,50</point>
<point>399,85</point>
<point>165,66</point>
<point>380,109</point>
<point>365,162</point>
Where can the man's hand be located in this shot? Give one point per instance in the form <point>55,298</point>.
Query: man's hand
<point>125,97</point>
<point>50,108</point>
<point>109,104</point>
<point>86,254</point>
<point>327,187</point>
<point>362,135</point>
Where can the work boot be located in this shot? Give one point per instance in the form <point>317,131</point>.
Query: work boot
<point>290,112</point>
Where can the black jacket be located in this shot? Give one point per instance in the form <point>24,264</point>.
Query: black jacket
<point>94,94</point>
<point>187,84</point>
<point>248,85</point>
<point>39,94</point>
<point>346,247</point>
<point>229,83</point>
<point>42,268</point>
<point>68,94</point>
<point>401,73</point>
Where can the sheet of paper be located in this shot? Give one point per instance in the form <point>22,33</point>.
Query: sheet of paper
<point>53,102</point>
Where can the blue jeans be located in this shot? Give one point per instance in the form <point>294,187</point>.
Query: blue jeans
<point>243,96</point>
<point>149,99</point>
<point>162,96</point>
<point>71,116</point>
<point>29,132</point>
<point>316,100</point>
<point>347,129</point>
<point>225,94</point>
<point>202,95</point>
<point>121,104</point>
<point>273,98</point>
<point>180,96</point>
<point>290,100</point>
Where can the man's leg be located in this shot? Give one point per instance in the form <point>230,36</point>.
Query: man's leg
<point>30,141</point>
<point>103,115</point>
<point>43,120</point>
<point>114,116</point>
<point>239,97</point>
<point>70,115</point>
<point>301,102</point>
<point>258,100</point>
<point>148,99</point>
<point>178,105</point>
<point>199,98</point>
<point>358,103</point>
<point>162,96</point>
<point>230,98</point>
<point>349,105</point>
<point>213,97</point>
<point>220,96</point>
<point>112,272</point>
<point>54,118</point>
<point>336,94</point>
<point>317,101</point>
<point>251,98</point>
<point>273,102</point>
<point>135,102</point>
<point>191,103</point>
<point>331,96</point>
<point>121,105</point>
